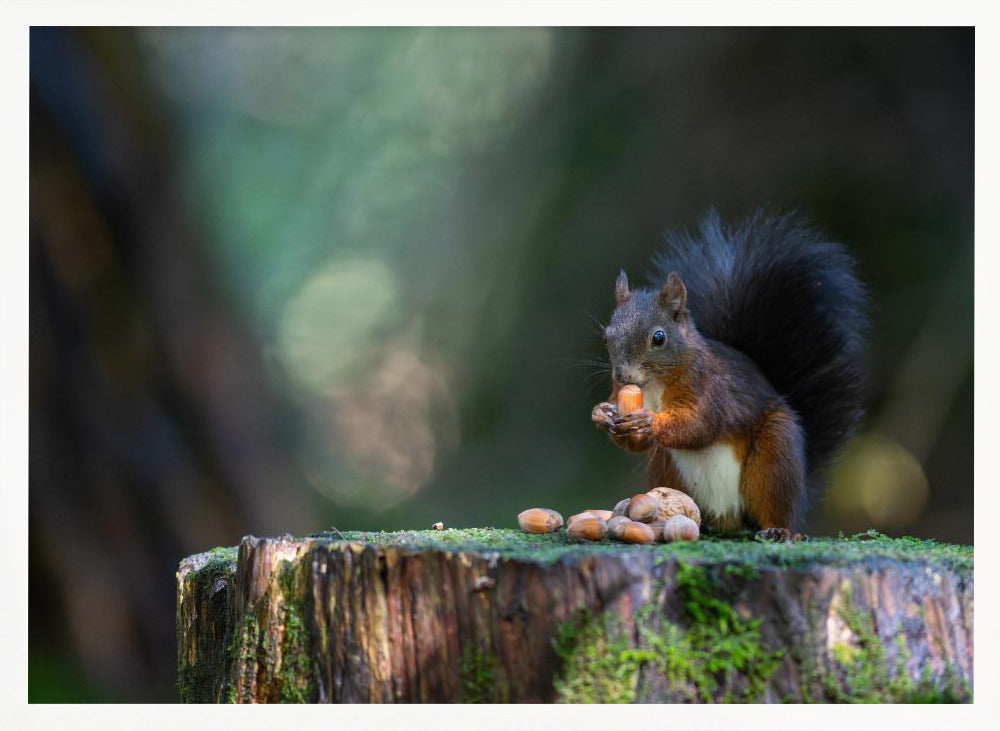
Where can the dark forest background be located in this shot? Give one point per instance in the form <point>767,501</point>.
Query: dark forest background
<point>288,279</point>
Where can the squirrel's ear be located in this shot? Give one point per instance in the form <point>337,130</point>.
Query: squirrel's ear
<point>621,288</point>
<point>673,296</point>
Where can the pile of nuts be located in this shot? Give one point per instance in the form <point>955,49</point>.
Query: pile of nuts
<point>662,514</point>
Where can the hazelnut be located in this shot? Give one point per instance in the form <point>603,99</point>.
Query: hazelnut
<point>587,529</point>
<point>621,508</point>
<point>539,520</point>
<point>630,531</point>
<point>657,527</point>
<point>674,502</point>
<point>585,514</point>
<point>680,528</point>
<point>629,399</point>
<point>616,521</point>
<point>644,507</point>
<point>590,513</point>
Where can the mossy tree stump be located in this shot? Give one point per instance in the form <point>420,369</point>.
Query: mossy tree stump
<point>488,615</point>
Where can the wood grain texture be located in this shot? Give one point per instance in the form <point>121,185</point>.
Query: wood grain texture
<point>321,620</point>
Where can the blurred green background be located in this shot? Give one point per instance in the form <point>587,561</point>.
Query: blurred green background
<point>289,279</point>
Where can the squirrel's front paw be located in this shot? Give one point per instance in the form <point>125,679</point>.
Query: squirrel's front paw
<point>637,424</point>
<point>603,415</point>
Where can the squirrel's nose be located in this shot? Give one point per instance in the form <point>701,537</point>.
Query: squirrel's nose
<point>624,375</point>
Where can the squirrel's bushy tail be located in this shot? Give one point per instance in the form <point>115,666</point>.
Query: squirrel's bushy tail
<point>780,292</point>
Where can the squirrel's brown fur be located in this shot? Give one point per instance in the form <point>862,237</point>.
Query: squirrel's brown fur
<point>715,422</point>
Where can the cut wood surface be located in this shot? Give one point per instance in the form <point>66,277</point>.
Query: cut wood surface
<point>491,615</point>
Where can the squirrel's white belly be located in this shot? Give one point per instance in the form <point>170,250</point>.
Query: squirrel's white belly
<point>712,477</point>
<point>652,395</point>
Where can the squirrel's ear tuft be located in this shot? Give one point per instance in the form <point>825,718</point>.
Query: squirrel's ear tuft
<point>673,296</point>
<point>621,288</point>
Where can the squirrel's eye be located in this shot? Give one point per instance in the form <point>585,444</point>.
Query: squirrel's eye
<point>659,338</point>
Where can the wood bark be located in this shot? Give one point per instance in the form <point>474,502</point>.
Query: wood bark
<point>320,620</point>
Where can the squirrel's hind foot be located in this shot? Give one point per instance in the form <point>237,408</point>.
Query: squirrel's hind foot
<point>779,534</point>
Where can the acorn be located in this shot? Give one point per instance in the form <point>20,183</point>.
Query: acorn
<point>587,529</point>
<point>644,507</point>
<point>539,520</point>
<point>630,531</point>
<point>680,528</point>
<point>674,502</point>
<point>621,508</point>
<point>629,399</point>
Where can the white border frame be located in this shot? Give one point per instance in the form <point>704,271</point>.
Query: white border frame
<point>19,15</point>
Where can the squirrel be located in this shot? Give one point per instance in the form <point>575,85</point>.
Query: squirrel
<point>749,355</point>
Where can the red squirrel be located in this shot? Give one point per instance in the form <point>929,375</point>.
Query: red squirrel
<point>749,355</point>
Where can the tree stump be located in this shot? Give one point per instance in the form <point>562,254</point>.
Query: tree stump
<point>489,615</point>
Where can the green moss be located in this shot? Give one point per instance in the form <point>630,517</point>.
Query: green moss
<point>716,655</point>
<point>248,660</point>
<point>196,682</point>
<point>745,551</point>
<point>843,653</point>
<point>479,677</point>
<point>741,551</point>
<point>227,554</point>
<point>208,567</point>
<point>810,674</point>
<point>597,668</point>
<point>241,652</point>
<point>863,663</point>
<point>863,673</point>
<point>296,672</point>
<point>720,652</point>
<point>247,639</point>
<point>713,655</point>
